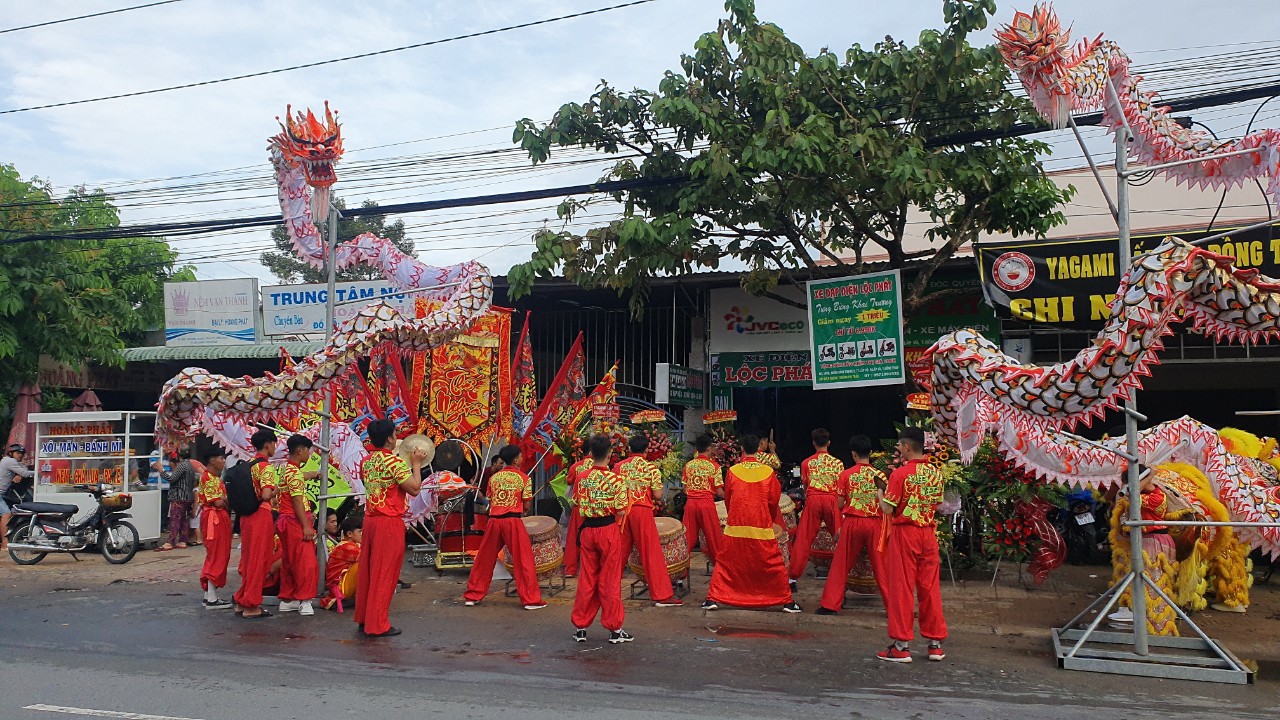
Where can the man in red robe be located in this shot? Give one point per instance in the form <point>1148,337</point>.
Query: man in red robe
<point>257,536</point>
<point>601,497</point>
<point>820,473</point>
<point>215,527</point>
<point>300,571</point>
<point>858,492</point>
<point>388,480</point>
<point>644,484</point>
<point>911,562</point>
<point>703,480</point>
<point>750,572</point>
<point>510,494</point>
<point>576,472</point>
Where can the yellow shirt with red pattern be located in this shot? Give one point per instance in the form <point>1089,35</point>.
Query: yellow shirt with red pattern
<point>291,486</point>
<point>210,489</point>
<point>768,458</point>
<point>508,490</point>
<point>857,487</point>
<point>821,473</point>
<point>915,489</point>
<point>263,476</point>
<point>383,473</point>
<point>701,477</point>
<point>600,493</point>
<point>641,477</point>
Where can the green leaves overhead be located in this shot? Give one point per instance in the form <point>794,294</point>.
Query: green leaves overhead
<point>794,158</point>
<point>288,268</point>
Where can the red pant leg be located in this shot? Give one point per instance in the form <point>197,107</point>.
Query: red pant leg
<point>609,581</point>
<point>516,538</point>
<point>571,543</point>
<point>299,571</point>
<point>586,600</point>
<point>215,528</point>
<point>933,625</point>
<point>256,540</point>
<point>700,515</point>
<point>900,580</point>
<point>482,566</point>
<point>384,538</point>
<point>644,533</point>
<point>845,556</point>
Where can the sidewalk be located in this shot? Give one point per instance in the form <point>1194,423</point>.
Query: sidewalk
<point>1012,607</point>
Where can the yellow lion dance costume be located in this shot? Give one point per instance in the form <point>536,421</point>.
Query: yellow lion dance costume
<point>1203,555</point>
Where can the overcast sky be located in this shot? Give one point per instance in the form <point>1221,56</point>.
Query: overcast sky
<point>482,84</point>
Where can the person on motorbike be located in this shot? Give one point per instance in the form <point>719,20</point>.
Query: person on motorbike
<point>11,467</point>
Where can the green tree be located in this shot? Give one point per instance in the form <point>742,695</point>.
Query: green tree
<point>796,162</point>
<point>288,268</point>
<point>75,300</point>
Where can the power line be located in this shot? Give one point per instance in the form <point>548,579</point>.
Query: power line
<point>84,17</point>
<point>359,56</point>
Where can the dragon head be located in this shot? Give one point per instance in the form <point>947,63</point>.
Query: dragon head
<point>313,144</point>
<point>1038,49</point>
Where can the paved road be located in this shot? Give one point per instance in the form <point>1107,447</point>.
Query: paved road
<point>147,649</point>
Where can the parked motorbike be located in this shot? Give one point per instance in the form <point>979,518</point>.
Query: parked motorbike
<point>39,528</point>
<point>1084,525</point>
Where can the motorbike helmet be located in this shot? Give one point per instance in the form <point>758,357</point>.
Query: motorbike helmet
<point>16,448</point>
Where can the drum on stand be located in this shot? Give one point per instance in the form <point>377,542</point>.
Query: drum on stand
<point>722,512</point>
<point>862,581</point>
<point>548,551</point>
<point>787,507</point>
<point>780,534</point>
<point>823,549</point>
<point>675,549</point>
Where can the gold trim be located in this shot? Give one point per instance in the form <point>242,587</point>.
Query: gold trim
<point>749,532</point>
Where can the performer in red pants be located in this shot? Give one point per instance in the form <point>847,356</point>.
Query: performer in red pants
<point>510,495</point>
<point>859,496</point>
<point>257,534</point>
<point>644,483</point>
<point>300,571</point>
<point>387,482</point>
<point>911,563</point>
<point>703,480</point>
<point>215,528</point>
<point>602,499</point>
<point>576,472</point>
<point>820,473</point>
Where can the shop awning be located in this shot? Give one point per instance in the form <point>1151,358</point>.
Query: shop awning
<point>161,353</point>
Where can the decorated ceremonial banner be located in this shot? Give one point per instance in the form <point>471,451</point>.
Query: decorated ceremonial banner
<point>353,402</point>
<point>524,386</point>
<point>559,407</point>
<point>464,384</point>
<point>386,378</point>
<point>855,330</point>
<point>310,413</point>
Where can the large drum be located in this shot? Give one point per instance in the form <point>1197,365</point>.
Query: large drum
<point>780,533</point>
<point>787,507</point>
<point>823,549</point>
<point>675,548</point>
<point>862,581</point>
<point>548,551</point>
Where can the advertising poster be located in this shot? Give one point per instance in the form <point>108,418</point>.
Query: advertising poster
<point>855,331</point>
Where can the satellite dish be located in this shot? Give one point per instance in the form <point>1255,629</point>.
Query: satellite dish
<point>450,455</point>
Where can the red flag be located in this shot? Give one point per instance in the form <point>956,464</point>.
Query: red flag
<point>524,396</point>
<point>559,406</point>
<point>389,387</point>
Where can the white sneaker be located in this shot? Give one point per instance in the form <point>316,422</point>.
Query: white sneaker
<point>289,606</point>
<point>306,609</point>
<point>471,603</point>
<point>1123,615</point>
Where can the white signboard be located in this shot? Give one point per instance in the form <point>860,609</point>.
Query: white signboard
<point>745,323</point>
<point>299,309</point>
<point>211,312</point>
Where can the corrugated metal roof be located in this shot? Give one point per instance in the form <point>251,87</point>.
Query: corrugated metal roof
<point>161,353</point>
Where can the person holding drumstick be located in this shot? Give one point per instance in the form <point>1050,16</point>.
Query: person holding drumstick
<point>510,494</point>
<point>602,501</point>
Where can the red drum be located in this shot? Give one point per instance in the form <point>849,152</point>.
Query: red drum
<point>548,550</point>
<point>823,549</point>
<point>675,548</point>
<point>787,507</point>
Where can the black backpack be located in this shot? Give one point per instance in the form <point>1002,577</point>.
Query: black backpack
<point>241,497</point>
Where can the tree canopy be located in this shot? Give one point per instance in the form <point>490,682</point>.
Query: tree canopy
<point>793,162</point>
<point>74,300</point>
<point>286,265</point>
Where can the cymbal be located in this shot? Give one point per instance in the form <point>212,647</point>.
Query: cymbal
<point>405,447</point>
<point>450,456</point>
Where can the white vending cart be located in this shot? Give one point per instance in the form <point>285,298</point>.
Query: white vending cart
<point>110,448</point>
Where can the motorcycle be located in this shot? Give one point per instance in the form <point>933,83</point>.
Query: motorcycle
<point>1084,525</point>
<point>39,528</point>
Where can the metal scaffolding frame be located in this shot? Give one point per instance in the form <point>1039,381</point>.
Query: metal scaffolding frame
<point>1130,653</point>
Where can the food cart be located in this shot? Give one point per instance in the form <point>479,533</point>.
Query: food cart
<point>110,448</point>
